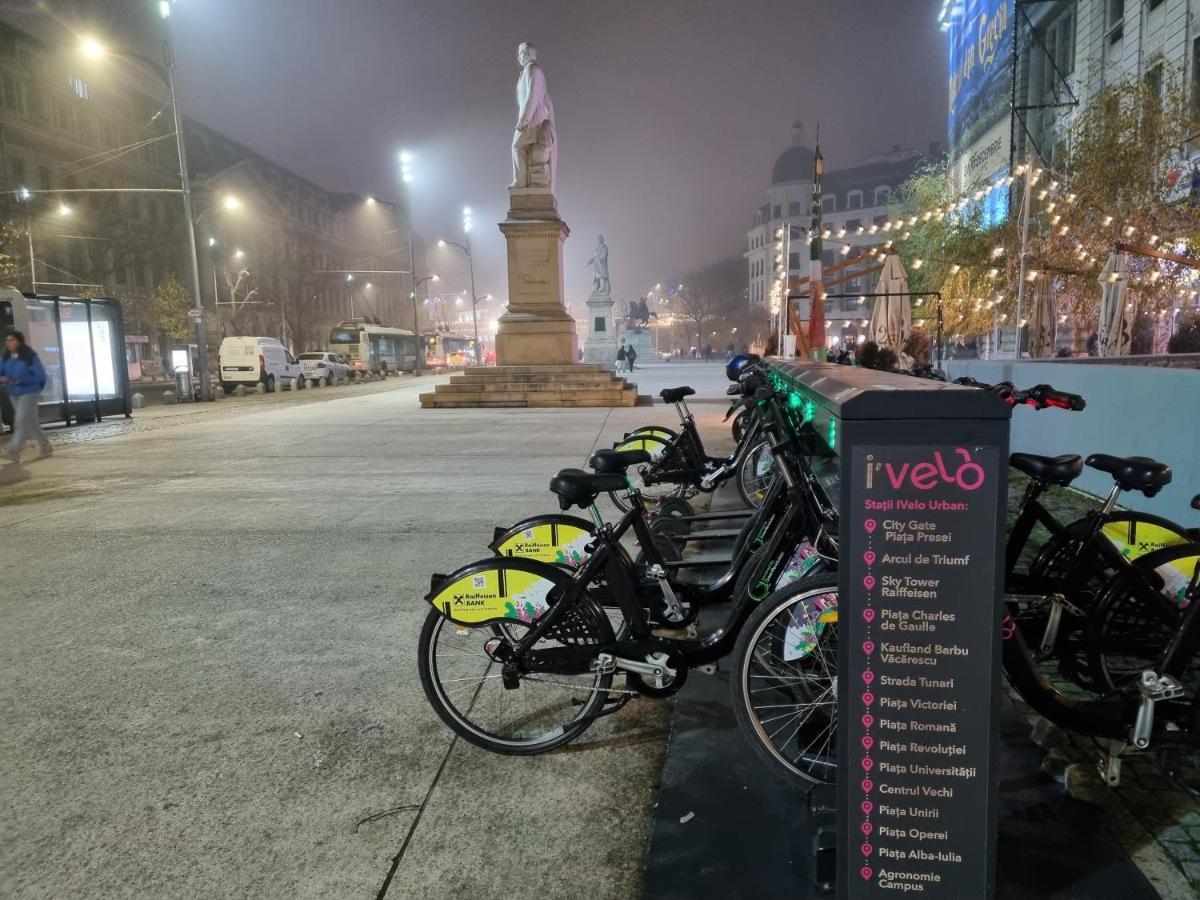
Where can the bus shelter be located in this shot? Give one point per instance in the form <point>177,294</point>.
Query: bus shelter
<point>81,343</point>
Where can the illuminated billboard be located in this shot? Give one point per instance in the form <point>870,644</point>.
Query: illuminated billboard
<point>979,138</point>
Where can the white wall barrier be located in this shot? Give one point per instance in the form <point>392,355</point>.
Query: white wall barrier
<point>1131,411</point>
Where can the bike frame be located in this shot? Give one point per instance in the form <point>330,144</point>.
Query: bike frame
<point>779,544</point>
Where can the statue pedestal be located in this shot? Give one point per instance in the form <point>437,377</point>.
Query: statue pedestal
<point>642,341</point>
<point>536,329</point>
<point>601,345</point>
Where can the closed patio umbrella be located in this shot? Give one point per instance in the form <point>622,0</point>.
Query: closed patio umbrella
<point>1043,325</point>
<point>891,318</point>
<point>1116,321</point>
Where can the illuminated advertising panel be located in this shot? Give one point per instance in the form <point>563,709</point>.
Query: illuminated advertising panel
<point>980,33</point>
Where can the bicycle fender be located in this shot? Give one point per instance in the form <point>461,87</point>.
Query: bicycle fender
<point>548,538</point>
<point>654,444</point>
<point>498,589</point>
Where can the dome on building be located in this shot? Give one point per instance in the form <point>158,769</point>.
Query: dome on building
<point>796,162</point>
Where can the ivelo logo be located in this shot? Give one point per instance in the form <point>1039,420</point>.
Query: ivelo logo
<point>925,476</point>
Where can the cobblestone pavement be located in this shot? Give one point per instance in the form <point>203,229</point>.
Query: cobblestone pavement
<point>1155,812</point>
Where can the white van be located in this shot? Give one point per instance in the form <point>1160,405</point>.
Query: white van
<point>251,361</point>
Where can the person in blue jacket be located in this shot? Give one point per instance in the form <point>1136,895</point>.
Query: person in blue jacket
<point>24,377</point>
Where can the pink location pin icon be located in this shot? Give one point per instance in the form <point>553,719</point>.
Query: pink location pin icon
<point>868,698</point>
<point>866,873</point>
<point>868,647</point>
<point>868,720</point>
<point>866,827</point>
<point>866,849</point>
<point>868,764</point>
<point>869,557</point>
<point>870,526</point>
<point>868,742</point>
<point>868,676</point>
<point>869,615</point>
<point>869,582</point>
<point>867,785</point>
<point>866,806</point>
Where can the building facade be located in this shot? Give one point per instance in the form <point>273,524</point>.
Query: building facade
<point>90,203</point>
<point>856,205</point>
<point>1068,51</point>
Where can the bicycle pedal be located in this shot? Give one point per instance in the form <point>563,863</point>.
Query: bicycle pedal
<point>1157,687</point>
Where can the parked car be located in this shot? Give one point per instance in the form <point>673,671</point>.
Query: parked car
<point>327,367</point>
<point>251,361</point>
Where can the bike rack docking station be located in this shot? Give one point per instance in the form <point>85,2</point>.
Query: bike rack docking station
<point>927,739</point>
<point>922,469</point>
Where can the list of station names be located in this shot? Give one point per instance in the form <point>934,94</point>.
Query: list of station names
<point>920,545</point>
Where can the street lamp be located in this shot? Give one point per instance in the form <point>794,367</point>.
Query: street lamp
<point>166,71</point>
<point>416,321</point>
<point>406,176</point>
<point>466,249</point>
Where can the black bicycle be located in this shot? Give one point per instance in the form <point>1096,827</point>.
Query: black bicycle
<point>518,656</point>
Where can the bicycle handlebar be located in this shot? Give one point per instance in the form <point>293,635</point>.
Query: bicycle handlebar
<point>1040,396</point>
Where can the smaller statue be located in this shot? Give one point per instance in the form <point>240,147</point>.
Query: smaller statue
<point>599,263</point>
<point>638,315</point>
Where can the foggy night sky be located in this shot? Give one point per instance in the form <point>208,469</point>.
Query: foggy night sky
<point>670,112</point>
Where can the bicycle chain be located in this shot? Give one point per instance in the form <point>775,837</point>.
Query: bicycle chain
<point>591,690</point>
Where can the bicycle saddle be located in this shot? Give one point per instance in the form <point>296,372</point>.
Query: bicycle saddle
<point>576,487</point>
<point>1061,470</point>
<point>615,462</point>
<point>674,395</point>
<point>1133,473</point>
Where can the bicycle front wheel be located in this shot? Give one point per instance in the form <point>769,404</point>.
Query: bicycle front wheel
<point>532,710</point>
<point>784,681</point>
<point>754,474</point>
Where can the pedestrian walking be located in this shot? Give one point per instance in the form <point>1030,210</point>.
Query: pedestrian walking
<point>621,357</point>
<point>24,377</point>
<point>631,356</point>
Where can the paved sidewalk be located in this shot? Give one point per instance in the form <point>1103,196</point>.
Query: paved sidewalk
<point>207,660</point>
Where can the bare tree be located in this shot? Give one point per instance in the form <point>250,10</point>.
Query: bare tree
<point>712,294</point>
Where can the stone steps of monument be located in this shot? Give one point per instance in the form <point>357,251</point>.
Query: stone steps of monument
<point>528,399</point>
<point>588,374</point>
<point>572,378</point>
<point>535,386</point>
<point>540,386</point>
<point>492,371</point>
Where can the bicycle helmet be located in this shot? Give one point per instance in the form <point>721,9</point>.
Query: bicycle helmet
<point>733,368</point>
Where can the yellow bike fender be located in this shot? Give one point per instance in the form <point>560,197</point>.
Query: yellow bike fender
<point>498,589</point>
<point>559,540</point>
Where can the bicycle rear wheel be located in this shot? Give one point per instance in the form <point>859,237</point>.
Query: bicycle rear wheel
<point>784,682</point>
<point>663,457</point>
<point>1138,613</point>
<point>462,670</point>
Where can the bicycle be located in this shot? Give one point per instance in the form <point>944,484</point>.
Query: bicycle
<point>538,652</point>
<point>679,465</point>
<point>774,662</point>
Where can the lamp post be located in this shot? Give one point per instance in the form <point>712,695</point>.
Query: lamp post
<point>166,71</point>
<point>417,322</point>
<point>406,159</point>
<point>466,249</point>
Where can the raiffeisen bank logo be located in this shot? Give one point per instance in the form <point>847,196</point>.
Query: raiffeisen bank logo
<point>925,476</point>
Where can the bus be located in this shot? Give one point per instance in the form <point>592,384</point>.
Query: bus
<point>449,349</point>
<point>374,349</point>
